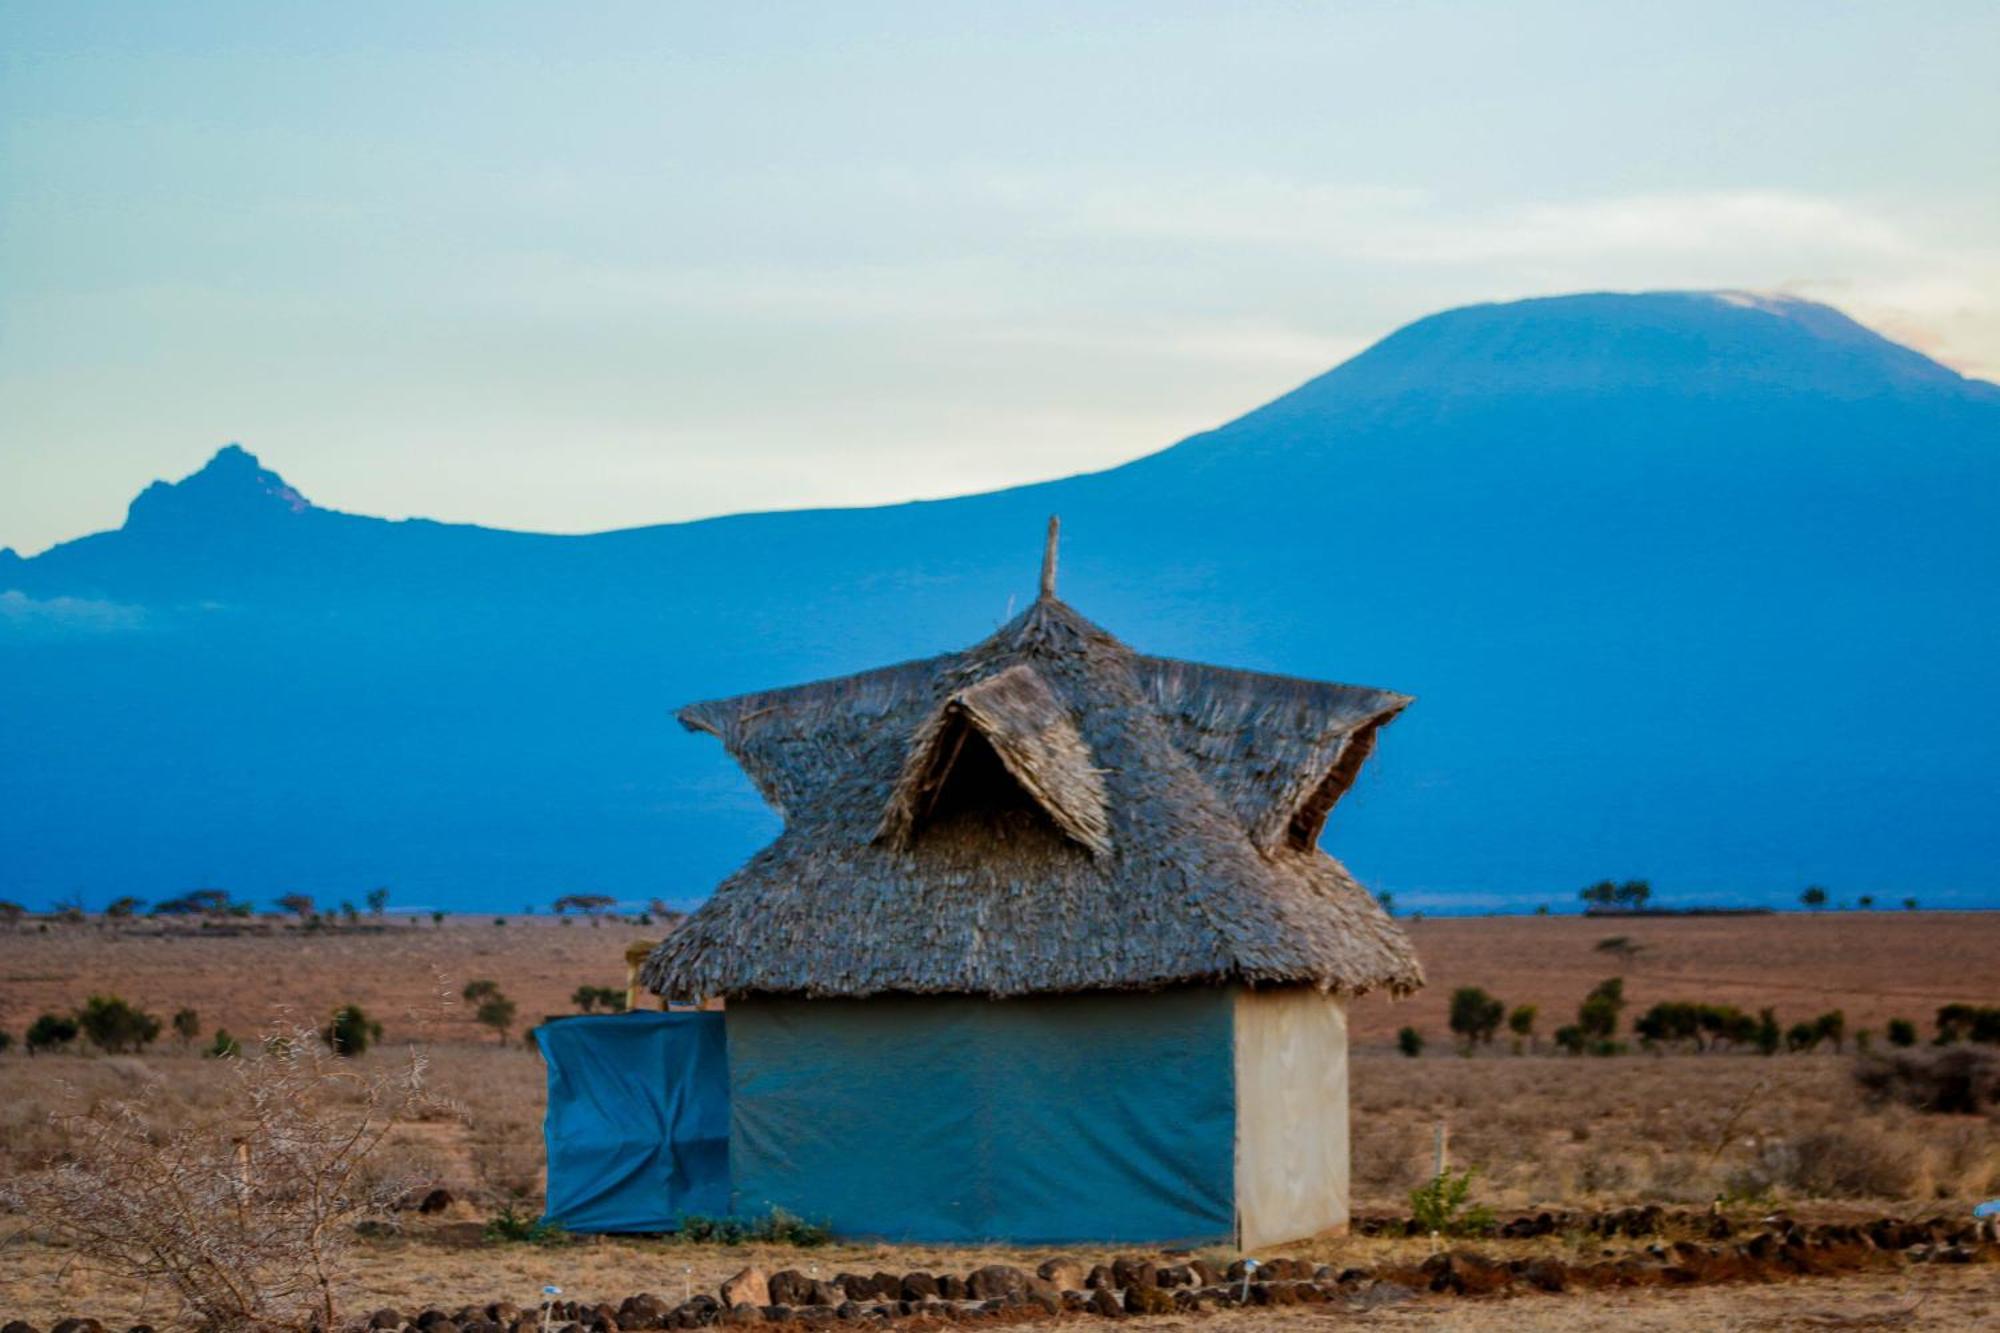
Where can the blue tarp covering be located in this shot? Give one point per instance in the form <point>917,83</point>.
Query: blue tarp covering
<point>1042,1120</point>
<point>638,1120</point>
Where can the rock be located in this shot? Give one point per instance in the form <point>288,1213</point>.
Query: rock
<point>434,1201</point>
<point>778,1314</point>
<point>1103,1302</point>
<point>1124,1271</point>
<point>952,1287</point>
<point>827,1294</point>
<point>919,1286</point>
<point>888,1287</point>
<point>386,1317</point>
<point>1148,1298</point>
<point>1546,1274</point>
<point>997,1282</point>
<point>432,1315</point>
<point>745,1312</point>
<point>1099,1279</point>
<point>1464,1273</point>
<point>1067,1274</point>
<point>750,1285</point>
<point>788,1286</point>
<point>1206,1274</point>
<point>18,1326</point>
<point>75,1325</point>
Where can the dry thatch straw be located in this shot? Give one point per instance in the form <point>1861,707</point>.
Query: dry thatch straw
<point>1047,811</point>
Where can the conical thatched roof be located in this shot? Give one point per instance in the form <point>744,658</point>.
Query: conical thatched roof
<point>1046,811</point>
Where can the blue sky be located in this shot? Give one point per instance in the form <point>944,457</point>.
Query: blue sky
<point>580,267</point>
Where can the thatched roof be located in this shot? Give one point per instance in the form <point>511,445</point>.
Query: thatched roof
<point>1046,811</point>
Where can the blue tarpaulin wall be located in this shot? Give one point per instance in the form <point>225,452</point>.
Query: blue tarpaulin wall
<point>638,1120</point>
<point>1041,1120</point>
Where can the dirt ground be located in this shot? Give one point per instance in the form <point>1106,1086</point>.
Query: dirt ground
<point>1543,1130</point>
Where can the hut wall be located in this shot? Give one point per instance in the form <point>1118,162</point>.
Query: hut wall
<point>954,1119</point>
<point>1291,1114</point>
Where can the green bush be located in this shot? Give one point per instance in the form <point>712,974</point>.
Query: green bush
<point>1902,1032</point>
<point>510,1226</point>
<point>1769,1036</point>
<point>187,1024</point>
<point>350,1031</point>
<point>224,1046</point>
<point>51,1031</point>
<point>1475,1015</point>
<point>1801,1038</point>
<point>1598,1014</point>
<point>1443,1205</point>
<point>113,1025</point>
<point>1570,1038</point>
<point>497,1012</point>
<point>777,1227</point>
<point>6,1040</point>
<point>1410,1042</point>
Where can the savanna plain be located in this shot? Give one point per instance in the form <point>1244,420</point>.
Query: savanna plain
<point>1710,1125</point>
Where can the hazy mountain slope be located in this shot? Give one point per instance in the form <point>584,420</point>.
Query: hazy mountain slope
<point>1692,586</point>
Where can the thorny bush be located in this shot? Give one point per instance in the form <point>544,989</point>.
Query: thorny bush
<point>244,1216</point>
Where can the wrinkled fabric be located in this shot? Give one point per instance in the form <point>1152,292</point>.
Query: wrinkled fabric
<point>952,1119</point>
<point>638,1120</point>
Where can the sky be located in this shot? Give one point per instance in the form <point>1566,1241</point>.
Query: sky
<point>570,268</point>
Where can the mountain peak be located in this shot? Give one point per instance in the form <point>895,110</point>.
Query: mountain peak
<point>1688,343</point>
<point>230,489</point>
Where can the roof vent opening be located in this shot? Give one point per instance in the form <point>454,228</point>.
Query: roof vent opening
<point>1004,752</point>
<point>1309,818</point>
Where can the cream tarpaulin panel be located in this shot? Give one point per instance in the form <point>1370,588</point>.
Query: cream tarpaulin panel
<point>1291,1114</point>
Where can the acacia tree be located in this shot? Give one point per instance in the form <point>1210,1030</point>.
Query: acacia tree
<point>1521,1022</point>
<point>1475,1015</point>
<point>1814,897</point>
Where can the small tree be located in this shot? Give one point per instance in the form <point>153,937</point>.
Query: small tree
<point>1832,1026</point>
<point>478,990</point>
<point>224,1046</point>
<point>1601,894</point>
<point>299,905</point>
<point>1521,1022</point>
<point>1769,1036</point>
<point>187,1025</point>
<point>378,902</point>
<point>1475,1015</point>
<point>1909,904</point>
<point>584,998</point>
<point>1801,1038</point>
<point>11,914</point>
<point>349,913</point>
<point>51,1032</point>
<point>1570,1039</point>
<point>1387,900</point>
<point>6,1040</point>
<point>1410,1042</point>
<point>437,919</point>
<point>1867,901</point>
<point>113,1025</point>
<point>123,909</point>
<point>497,1012</point>
<point>1902,1032</point>
<point>1598,1014</point>
<point>1633,893</point>
<point>350,1031</point>
<point>1813,897</point>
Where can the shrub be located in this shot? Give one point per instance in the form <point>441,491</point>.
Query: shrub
<point>51,1031</point>
<point>1521,1022</point>
<point>1475,1015</point>
<point>1598,1014</point>
<point>1832,1026</point>
<point>497,1012</point>
<point>1442,1205</point>
<point>1410,1042</point>
<point>187,1024</point>
<point>1813,897</point>
<point>1570,1038</point>
<point>115,1026</point>
<point>1902,1032</point>
<point>1965,1022</point>
<point>776,1227</point>
<point>1832,1164</point>
<point>1769,1037</point>
<point>512,1226</point>
<point>587,998</point>
<point>1801,1038</point>
<point>350,1031</point>
<point>245,1215</point>
<point>480,989</point>
<point>224,1046</point>
<point>1954,1080</point>
<point>6,1040</point>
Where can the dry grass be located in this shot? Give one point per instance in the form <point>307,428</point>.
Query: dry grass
<point>1544,1130</point>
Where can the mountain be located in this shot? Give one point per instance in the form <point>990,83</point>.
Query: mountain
<point>1693,586</point>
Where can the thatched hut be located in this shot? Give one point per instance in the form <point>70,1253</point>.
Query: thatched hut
<point>1047,950</point>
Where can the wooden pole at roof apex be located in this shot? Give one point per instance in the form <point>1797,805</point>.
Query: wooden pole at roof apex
<point>1049,558</point>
